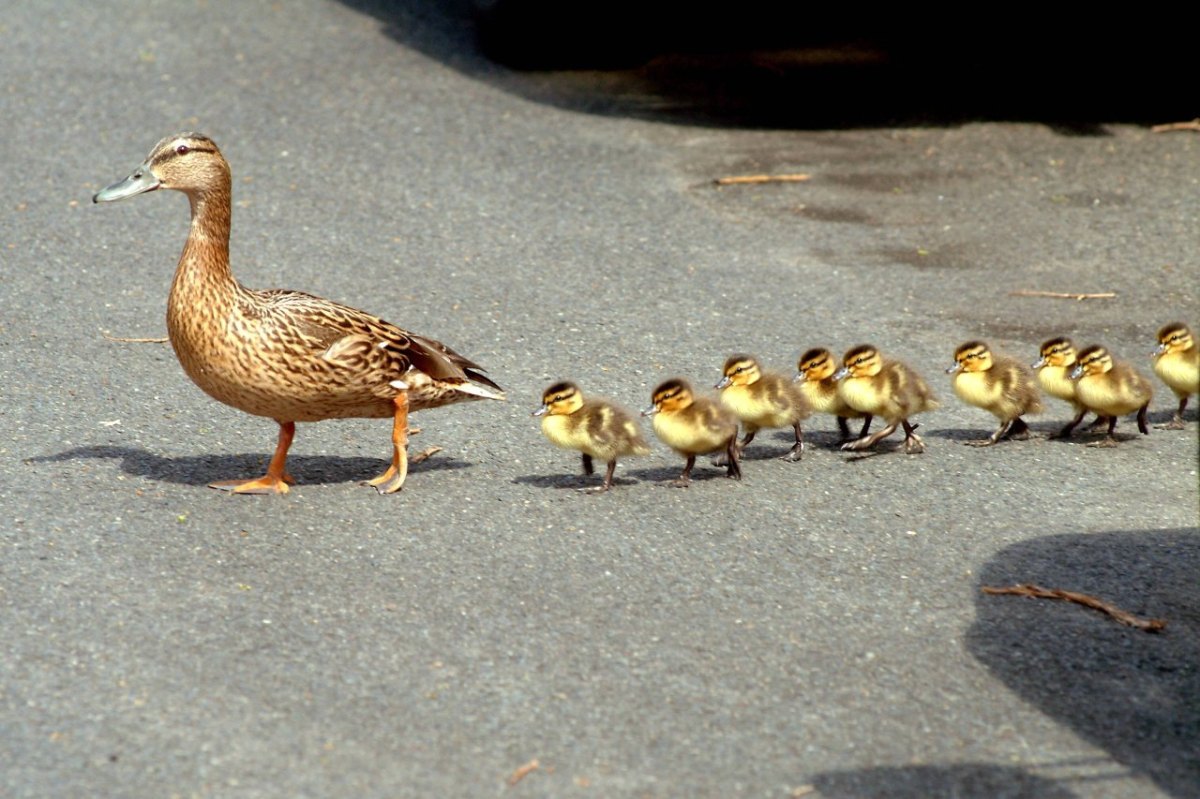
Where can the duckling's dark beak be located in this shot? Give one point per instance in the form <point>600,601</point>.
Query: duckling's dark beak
<point>724,382</point>
<point>653,409</point>
<point>954,368</point>
<point>542,411</point>
<point>1038,364</point>
<point>800,377</point>
<point>142,180</point>
<point>841,373</point>
<point>1077,373</point>
<point>1159,350</point>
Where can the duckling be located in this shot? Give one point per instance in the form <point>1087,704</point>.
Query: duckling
<point>595,427</point>
<point>1001,385</point>
<point>286,355</point>
<point>762,399</point>
<point>1111,388</point>
<point>883,387</point>
<point>1054,375</point>
<point>814,374</point>
<point>1177,363</point>
<point>693,426</point>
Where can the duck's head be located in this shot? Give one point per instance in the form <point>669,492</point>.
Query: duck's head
<point>1094,360</point>
<point>861,361</point>
<point>814,365</point>
<point>1056,352</point>
<point>739,370</point>
<point>670,396</point>
<point>560,399</point>
<point>1175,337</point>
<point>187,162</point>
<point>974,356</point>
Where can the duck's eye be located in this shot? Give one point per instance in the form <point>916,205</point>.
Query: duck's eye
<point>181,149</point>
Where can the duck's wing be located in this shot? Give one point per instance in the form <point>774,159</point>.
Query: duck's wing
<point>361,341</point>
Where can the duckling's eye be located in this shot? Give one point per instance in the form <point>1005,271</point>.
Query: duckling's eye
<point>181,149</point>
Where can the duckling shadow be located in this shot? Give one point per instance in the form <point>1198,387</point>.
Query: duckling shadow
<point>932,781</point>
<point>700,474</point>
<point>205,469</point>
<point>1132,693</point>
<point>568,481</point>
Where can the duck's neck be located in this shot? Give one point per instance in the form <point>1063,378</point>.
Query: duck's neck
<point>204,287</point>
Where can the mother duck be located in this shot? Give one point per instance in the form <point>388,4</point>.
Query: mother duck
<point>286,355</point>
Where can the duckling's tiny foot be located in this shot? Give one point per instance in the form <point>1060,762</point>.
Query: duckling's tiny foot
<point>1174,424</point>
<point>914,445</point>
<point>423,454</point>
<point>857,444</point>
<point>795,454</point>
<point>1105,443</point>
<point>261,485</point>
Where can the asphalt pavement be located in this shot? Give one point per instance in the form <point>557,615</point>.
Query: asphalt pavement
<point>817,629</point>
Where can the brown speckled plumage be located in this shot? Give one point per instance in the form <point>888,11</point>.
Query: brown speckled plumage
<point>286,355</point>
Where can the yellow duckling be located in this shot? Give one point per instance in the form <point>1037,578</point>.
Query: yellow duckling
<point>814,374</point>
<point>871,384</point>
<point>762,400</point>
<point>1111,389</point>
<point>597,428</point>
<point>1054,376</point>
<point>1002,386</point>
<point>1177,363</point>
<point>693,426</point>
<point>286,355</point>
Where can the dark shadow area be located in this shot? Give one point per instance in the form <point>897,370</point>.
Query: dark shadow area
<point>1134,694</point>
<point>205,469</point>
<point>576,481</point>
<point>938,782</point>
<point>702,472</point>
<point>761,64</point>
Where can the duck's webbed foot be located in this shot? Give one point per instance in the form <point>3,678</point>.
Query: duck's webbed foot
<point>393,479</point>
<point>276,480</point>
<point>913,443</point>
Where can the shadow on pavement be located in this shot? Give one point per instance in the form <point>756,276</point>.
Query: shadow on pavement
<point>1132,693</point>
<point>205,469</point>
<point>791,66</point>
<point>936,782</point>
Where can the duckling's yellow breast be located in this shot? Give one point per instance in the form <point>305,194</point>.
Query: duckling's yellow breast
<point>979,389</point>
<point>757,408</point>
<point>1106,395</point>
<point>863,395</point>
<point>1055,382</point>
<point>1180,371</point>
<point>686,434</point>
<point>564,430</point>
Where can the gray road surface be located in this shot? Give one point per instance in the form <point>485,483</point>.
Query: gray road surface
<point>816,630</point>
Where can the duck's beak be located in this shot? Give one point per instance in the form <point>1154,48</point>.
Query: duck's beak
<point>800,377</point>
<point>841,373</point>
<point>542,411</point>
<point>142,180</point>
<point>954,368</point>
<point>724,382</point>
<point>653,409</point>
<point>1038,364</point>
<point>1077,373</point>
<point>1159,350</point>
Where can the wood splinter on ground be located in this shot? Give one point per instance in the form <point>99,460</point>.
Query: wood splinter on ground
<point>1193,124</point>
<point>124,340</point>
<point>734,180</point>
<point>1125,617</point>
<point>1064,295</point>
<point>523,772</point>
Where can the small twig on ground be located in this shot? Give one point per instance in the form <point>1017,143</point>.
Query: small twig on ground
<point>744,179</point>
<point>1125,617</point>
<point>1064,295</point>
<point>124,340</point>
<point>1193,124</point>
<point>522,772</point>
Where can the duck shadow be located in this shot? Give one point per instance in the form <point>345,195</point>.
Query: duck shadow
<point>563,481</point>
<point>205,469</point>
<point>937,781</point>
<point>1134,694</point>
<point>703,472</point>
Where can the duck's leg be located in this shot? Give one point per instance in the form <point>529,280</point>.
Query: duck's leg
<point>1141,419</point>
<point>844,430</point>
<point>1019,431</point>
<point>587,464</point>
<point>1109,440</point>
<point>1176,422</point>
<point>608,479</point>
<point>1066,431</point>
<point>913,443</point>
<point>276,479</point>
<point>797,450</point>
<point>685,477</point>
<point>733,452</point>
<point>392,480</point>
<point>723,458</point>
<point>870,441</point>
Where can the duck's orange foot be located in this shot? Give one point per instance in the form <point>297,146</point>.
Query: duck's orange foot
<point>261,485</point>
